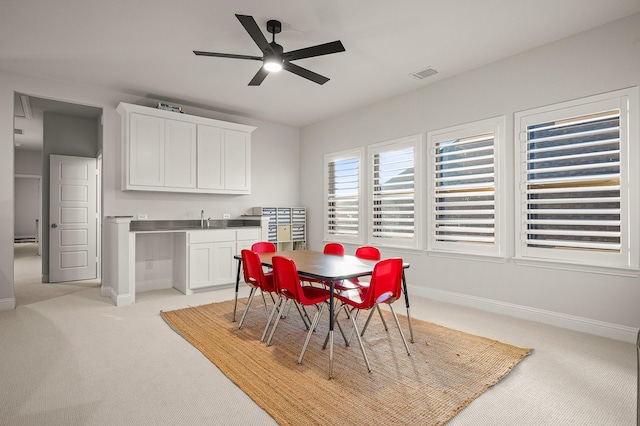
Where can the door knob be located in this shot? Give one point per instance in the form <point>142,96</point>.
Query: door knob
<point>53,225</point>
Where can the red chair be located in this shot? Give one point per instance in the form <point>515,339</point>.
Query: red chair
<point>289,288</point>
<point>335,249</point>
<point>385,287</point>
<point>368,252</point>
<point>264,247</point>
<point>257,279</point>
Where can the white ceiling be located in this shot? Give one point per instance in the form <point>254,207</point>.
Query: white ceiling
<point>144,47</point>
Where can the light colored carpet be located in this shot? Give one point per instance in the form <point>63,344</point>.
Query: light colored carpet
<point>29,287</point>
<point>445,372</point>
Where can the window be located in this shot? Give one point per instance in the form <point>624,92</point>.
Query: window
<point>577,179</point>
<point>465,213</point>
<point>343,197</point>
<point>394,178</point>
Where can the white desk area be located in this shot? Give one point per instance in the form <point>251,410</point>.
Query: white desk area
<point>187,258</point>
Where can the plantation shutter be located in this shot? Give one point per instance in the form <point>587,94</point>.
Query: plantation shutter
<point>343,195</point>
<point>464,202</point>
<point>393,215</point>
<point>573,183</point>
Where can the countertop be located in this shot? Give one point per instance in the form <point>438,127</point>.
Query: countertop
<point>191,225</point>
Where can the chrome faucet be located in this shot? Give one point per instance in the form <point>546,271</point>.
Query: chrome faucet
<point>201,218</point>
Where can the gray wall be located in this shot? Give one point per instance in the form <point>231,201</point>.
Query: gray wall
<point>27,191</point>
<point>593,62</point>
<point>27,206</point>
<point>28,162</point>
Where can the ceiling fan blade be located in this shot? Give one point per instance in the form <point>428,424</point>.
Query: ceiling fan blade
<point>259,77</point>
<point>252,28</point>
<point>319,50</point>
<point>303,72</point>
<point>226,55</point>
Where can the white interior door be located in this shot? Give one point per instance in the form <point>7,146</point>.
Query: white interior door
<point>72,219</point>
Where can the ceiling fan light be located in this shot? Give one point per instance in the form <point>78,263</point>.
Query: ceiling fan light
<point>273,65</point>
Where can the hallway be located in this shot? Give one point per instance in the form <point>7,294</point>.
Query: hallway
<point>27,272</point>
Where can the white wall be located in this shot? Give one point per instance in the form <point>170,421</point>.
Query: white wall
<point>600,60</point>
<point>275,170</point>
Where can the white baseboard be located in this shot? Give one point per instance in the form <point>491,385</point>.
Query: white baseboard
<point>122,299</point>
<point>105,291</point>
<point>571,322</point>
<point>7,304</point>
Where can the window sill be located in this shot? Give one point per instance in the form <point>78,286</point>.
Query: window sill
<point>607,270</point>
<point>467,256</point>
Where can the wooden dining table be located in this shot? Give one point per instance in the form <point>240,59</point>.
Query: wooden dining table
<point>329,268</point>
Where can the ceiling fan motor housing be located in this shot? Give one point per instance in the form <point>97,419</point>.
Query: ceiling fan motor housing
<point>273,26</point>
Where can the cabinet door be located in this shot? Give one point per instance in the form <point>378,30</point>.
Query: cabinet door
<point>237,160</point>
<point>224,270</point>
<point>210,149</point>
<point>146,150</point>
<point>179,154</point>
<point>201,270</point>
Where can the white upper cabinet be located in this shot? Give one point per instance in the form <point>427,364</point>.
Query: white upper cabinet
<point>237,149</point>
<point>146,151</point>
<point>168,151</point>
<point>210,157</point>
<point>179,154</point>
<point>224,159</point>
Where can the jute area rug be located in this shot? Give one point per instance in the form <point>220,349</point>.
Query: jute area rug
<point>447,369</point>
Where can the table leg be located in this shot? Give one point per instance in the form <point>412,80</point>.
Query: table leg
<point>406,301</point>
<point>235,302</point>
<point>331,324</point>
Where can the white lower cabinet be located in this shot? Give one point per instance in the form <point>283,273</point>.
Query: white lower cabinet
<point>223,261</point>
<point>211,254</point>
<point>200,265</point>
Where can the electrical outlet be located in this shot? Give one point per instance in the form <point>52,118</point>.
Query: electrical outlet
<point>226,216</point>
<point>142,216</point>
<point>149,264</point>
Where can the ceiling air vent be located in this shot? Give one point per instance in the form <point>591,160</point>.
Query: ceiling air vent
<point>427,72</point>
<point>17,131</point>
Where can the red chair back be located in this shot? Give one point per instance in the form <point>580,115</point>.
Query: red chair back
<point>253,273</point>
<point>386,282</point>
<point>263,247</point>
<point>287,283</point>
<point>334,248</point>
<point>285,277</point>
<point>368,253</point>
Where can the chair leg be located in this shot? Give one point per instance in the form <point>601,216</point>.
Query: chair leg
<point>335,321</point>
<point>366,324</point>
<point>303,314</point>
<point>364,353</point>
<point>264,302</point>
<point>273,312</point>
<point>246,309</point>
<point>395,317</point>
<point>275,324</point>
<point>314,323</point>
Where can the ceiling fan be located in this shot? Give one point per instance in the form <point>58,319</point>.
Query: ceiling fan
<point>273,56</point>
